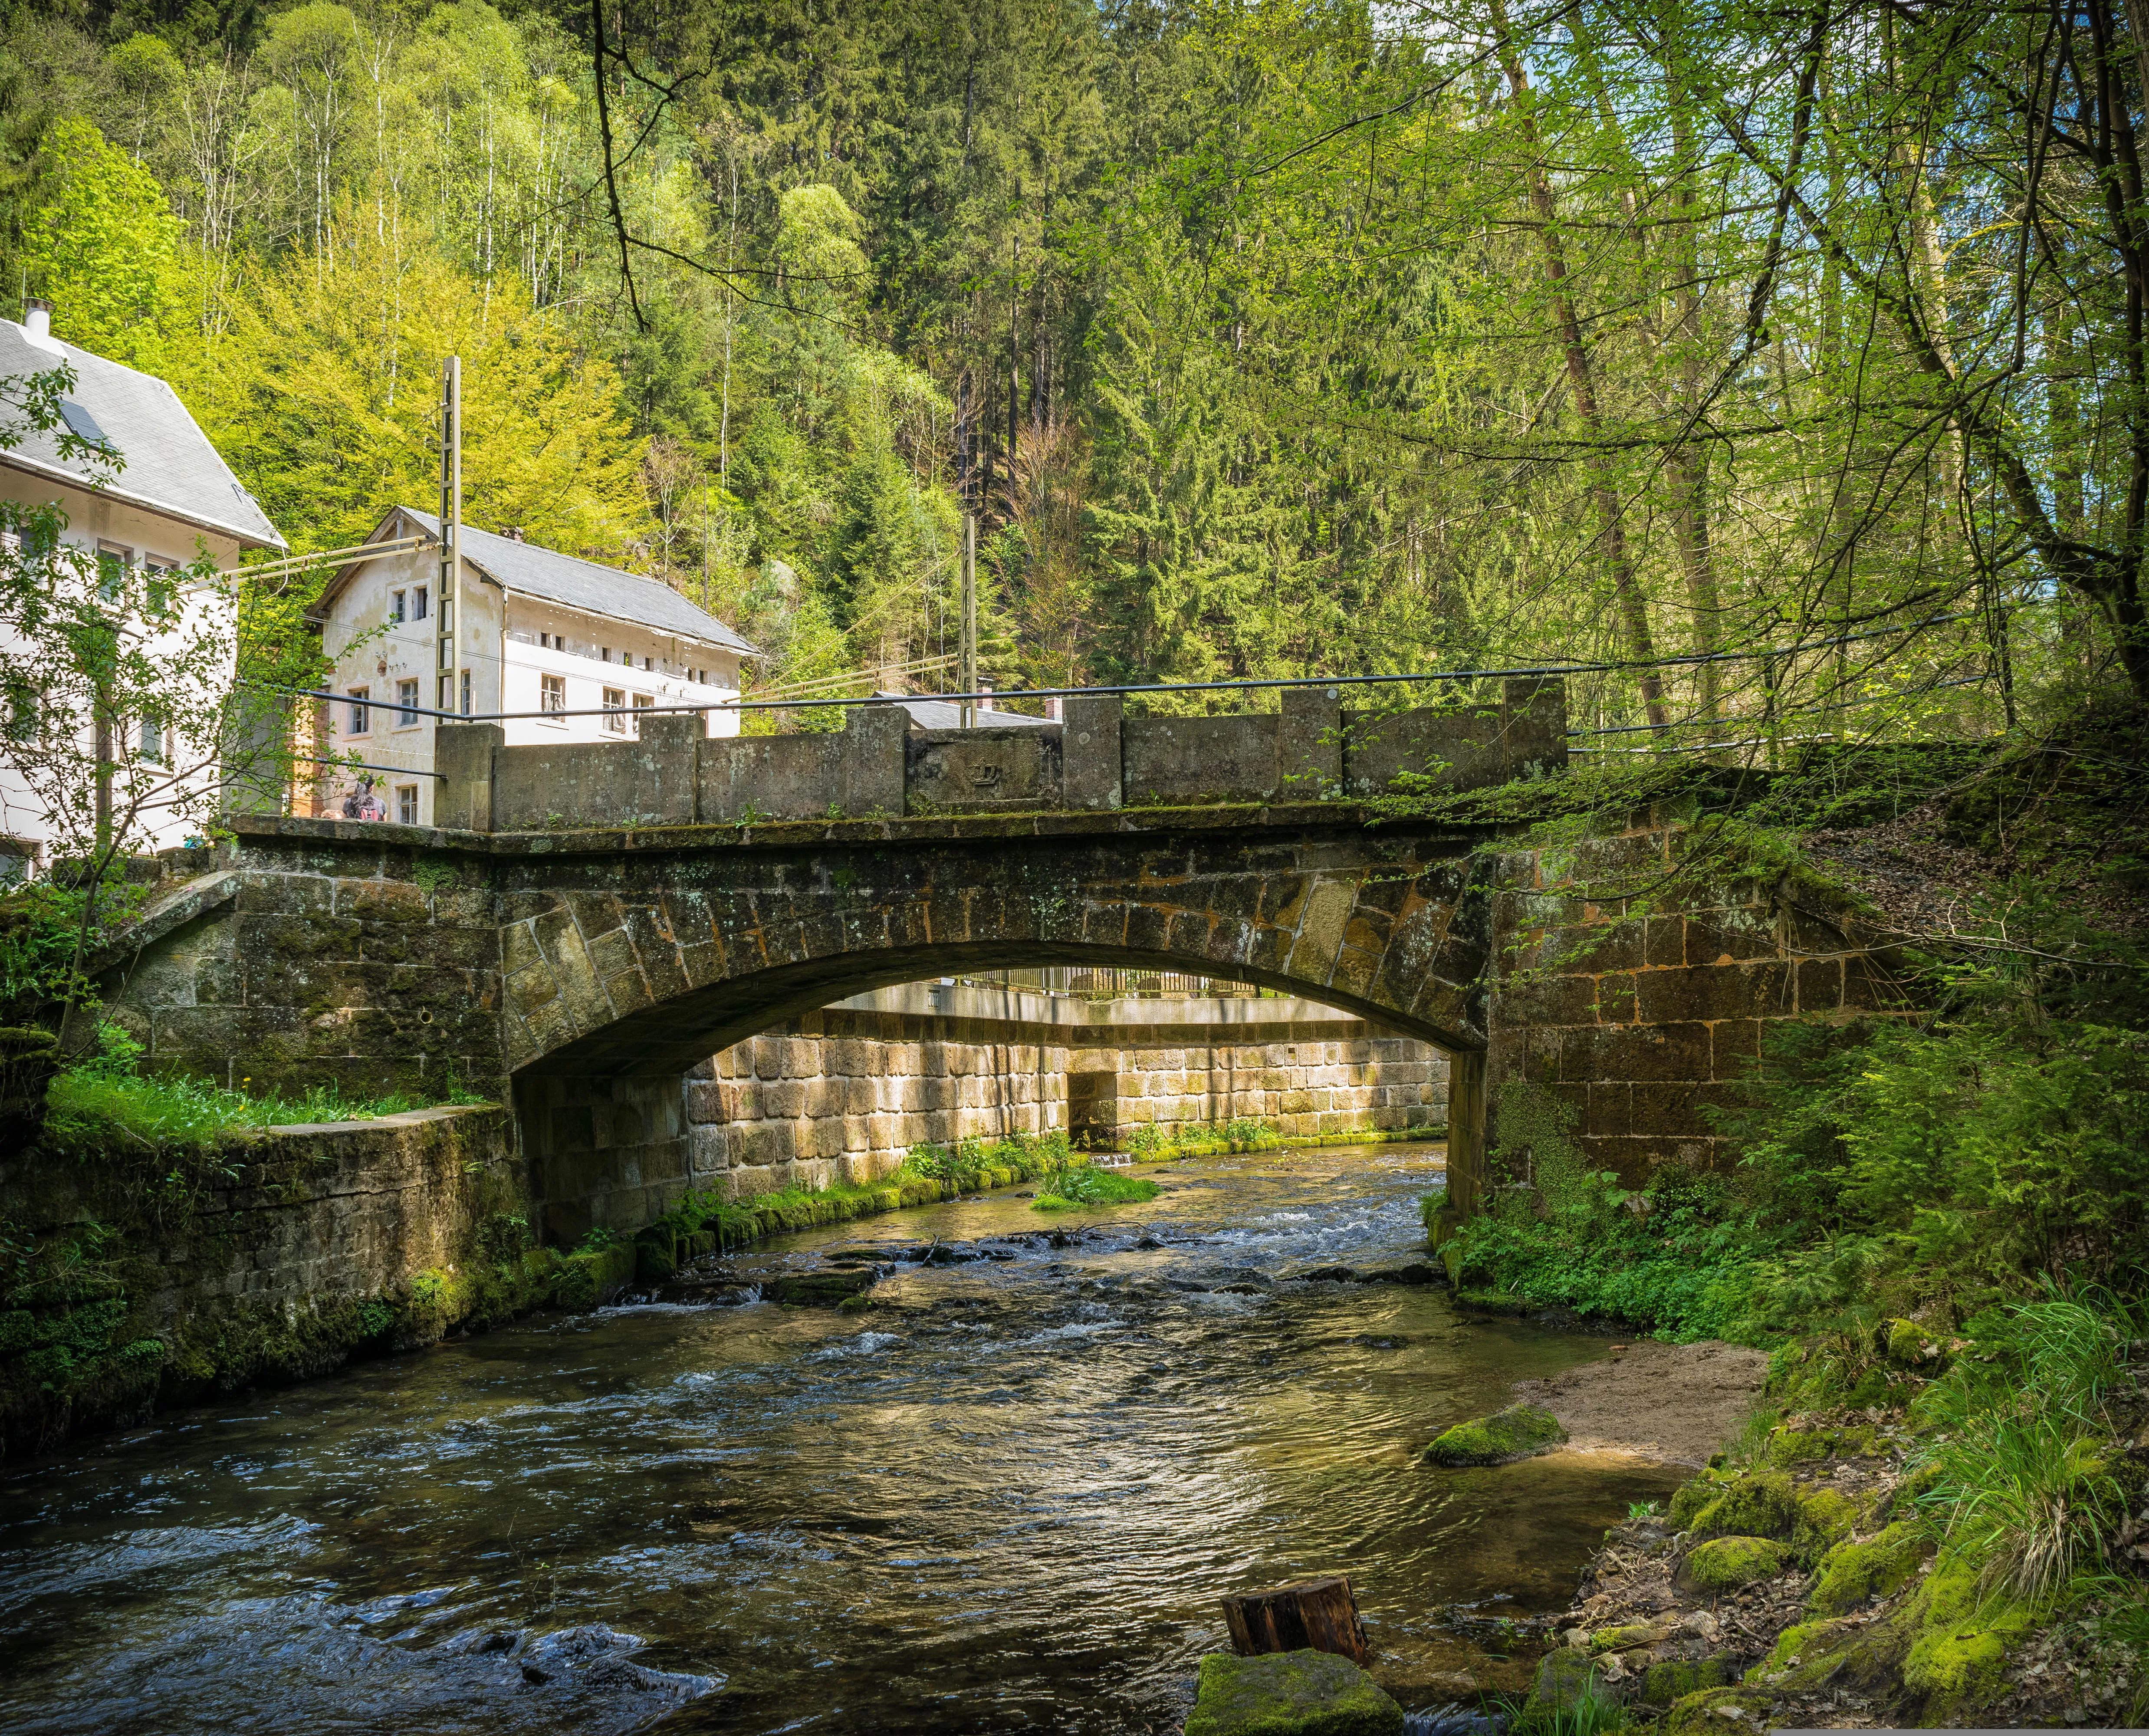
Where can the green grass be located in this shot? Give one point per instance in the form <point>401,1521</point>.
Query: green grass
<point>1082,1185</point>
<point>94,1108</point>
<point>1163,1145</point>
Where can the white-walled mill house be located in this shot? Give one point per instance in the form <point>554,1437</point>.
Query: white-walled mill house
<point>162,499</point>
<point>578,646</point>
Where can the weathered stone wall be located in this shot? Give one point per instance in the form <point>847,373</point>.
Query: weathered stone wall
<point>1639,1010</point>
<point>841,1094</point>
<point>1306,1082</point>
<point>275,1259</point>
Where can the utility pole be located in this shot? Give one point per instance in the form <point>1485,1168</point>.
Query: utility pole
<point>451,521</point>
<point>966,665</point>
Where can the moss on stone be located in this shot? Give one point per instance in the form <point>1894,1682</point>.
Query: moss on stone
<point>1874,1389</point>
<point>1754,1504</point>
<point>1674,1679</point>
<point>1621,1639</point>
<point>1908,1345</point>
<point>1825,1517</point>
<point>1289,1694</point>
<point>1724,1564</point>
<point>1960,1639</point>
<point>1852,1571</point>
<point>1690,1499</point>
<point>1716,1711</point>
<point>1521,1432</point>
<point>1565,1679</point>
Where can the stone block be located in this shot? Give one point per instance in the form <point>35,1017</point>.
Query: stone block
<point>1093,751</point>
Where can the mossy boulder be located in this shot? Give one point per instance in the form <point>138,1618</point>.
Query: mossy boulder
<point>1961,1637</point>
<point>1676,1677</point>
<point>1716,1711</point>
<point>1521,1432</point>
<point>1756,1504</point>
<point>1908,1345</point>
<point>1624,1639</point>
<point>1724,1564</point>
<point>1291,1693</point>
<point>1690,1499</point>
<point>1565,1679</point>
<point>1789,1446</point>
<point>1825,1517</point>
<point>594,1276</point>
<point>1852,1571</point>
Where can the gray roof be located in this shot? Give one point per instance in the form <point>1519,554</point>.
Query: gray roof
<point>946,714</point>
<point>527,569</point>
<point>163,460</point>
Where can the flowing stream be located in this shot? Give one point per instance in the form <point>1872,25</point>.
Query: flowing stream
<point>1008,1497</point>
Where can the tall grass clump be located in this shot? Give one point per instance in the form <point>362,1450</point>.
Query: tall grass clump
<point>2027,1467</point>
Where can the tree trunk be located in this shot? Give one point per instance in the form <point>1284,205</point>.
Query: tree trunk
<point>1317,1614</point>
<point>1626,584</point>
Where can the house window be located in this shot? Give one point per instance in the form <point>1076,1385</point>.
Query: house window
<point>157,574</point>
<point>615,705</point>
<point>22,697</point>
<point>418,604</point>
<point>406,803</point>
<point>358,709</point>
<point>112,564</point>
<point>395,605</point>
<point>604,651</point>
<point>406,704</point>
<point>545,641</point>
<point>648,667</point>
<point>150,749</point>
<point>551,692</point>
<point>642,702</point>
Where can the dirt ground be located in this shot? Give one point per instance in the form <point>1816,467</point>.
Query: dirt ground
<point>1677,1403</point>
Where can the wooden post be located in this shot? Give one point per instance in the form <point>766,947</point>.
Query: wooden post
<point>967,663</point>
<point>1317,1614</point>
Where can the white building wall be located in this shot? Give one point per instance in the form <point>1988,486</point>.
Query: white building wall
<point>95,521</point>
<point>507,643</point>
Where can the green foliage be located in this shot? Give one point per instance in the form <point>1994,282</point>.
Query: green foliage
<point>1081,1185</point>
<point>2027,1481</point>
<point>103,1106</point>
<point>103,247</point>
<point>1163,1142</point>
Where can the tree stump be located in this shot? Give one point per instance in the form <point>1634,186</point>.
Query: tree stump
<point>1320,1613</point>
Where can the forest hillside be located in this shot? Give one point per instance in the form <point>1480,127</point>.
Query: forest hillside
<point>1268,338</point>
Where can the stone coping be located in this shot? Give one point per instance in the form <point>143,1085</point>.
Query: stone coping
<point>399,1118</point>
<point>1293,819</point>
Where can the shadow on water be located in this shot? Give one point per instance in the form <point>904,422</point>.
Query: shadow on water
<point>1009,1496</point>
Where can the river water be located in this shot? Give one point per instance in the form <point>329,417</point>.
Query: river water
<point>1008,1497</point>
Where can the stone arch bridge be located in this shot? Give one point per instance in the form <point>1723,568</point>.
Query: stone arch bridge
<point>587,967</point>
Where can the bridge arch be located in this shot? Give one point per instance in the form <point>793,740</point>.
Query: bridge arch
<point>623,970</point>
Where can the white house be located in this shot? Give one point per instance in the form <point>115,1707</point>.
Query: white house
<point>164,499</point>
<point>577,646</point>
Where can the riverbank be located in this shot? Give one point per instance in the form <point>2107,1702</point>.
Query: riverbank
<point>1919,1559</point>
<point>1673,1403</point>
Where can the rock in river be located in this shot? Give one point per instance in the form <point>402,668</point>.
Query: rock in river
<point>1521,1432</point>
<point>1291,1693</point>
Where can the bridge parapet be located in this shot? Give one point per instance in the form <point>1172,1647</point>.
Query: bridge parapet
<point>672,773</point>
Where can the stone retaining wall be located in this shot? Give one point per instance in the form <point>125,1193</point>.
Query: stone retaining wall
<point>135,1284</point>
<point>841,1094</point>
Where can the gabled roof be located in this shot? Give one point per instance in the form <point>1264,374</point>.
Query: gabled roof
<point>163,459</point>
<point>529,570</point>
